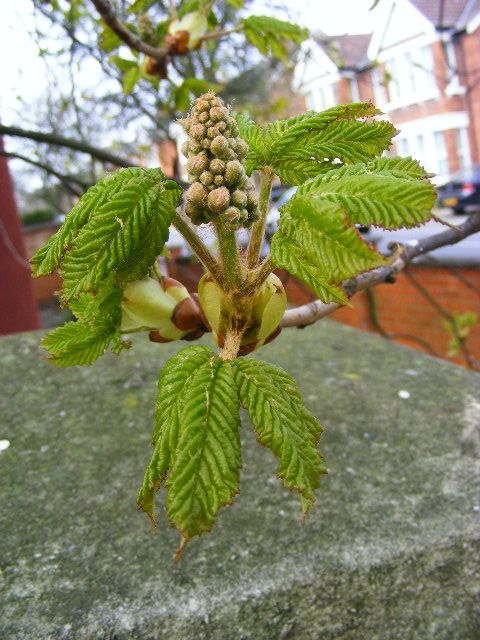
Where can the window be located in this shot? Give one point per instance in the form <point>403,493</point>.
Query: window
<point>463,148</point>
<point>322,97</point>
<point>354,92</point>
<point>402,147</point>
<point>411,76</point>
<point>378,79</point>
<point>441,151</point>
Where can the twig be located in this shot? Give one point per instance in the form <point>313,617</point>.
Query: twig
<point>258,229</point>
<point>64,179</point>
<point>107,13</point>
<point>198,247</point>
<point>60,141</point>
<point>313,311</point>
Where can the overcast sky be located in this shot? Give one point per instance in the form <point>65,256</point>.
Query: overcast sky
<point>24,73</point>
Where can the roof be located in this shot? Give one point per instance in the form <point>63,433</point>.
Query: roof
<point>348,51</point>
<point>448,14</point>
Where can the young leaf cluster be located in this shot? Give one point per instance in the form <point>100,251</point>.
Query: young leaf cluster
<point>111,237</point>
<point>197,442</point>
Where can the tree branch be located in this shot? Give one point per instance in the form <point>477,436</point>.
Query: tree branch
<point>64,179</point>
<point>313,311</point>
<point>60,141</point>
<point>107,13</point>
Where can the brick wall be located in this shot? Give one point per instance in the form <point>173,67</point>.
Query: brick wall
<point>402,310</point>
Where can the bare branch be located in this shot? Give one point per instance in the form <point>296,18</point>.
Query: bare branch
<point>64,179</point>
<point>60,141</point>
<point>313,311</point>
<point>107,13</point>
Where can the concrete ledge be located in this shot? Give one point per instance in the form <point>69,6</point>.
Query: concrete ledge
<point>390,551</point>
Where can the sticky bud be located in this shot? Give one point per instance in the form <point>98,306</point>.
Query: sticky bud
<point>197,164</point>
<point>268,307</point>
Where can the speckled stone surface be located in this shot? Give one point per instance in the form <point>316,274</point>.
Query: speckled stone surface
<point>390,551</point>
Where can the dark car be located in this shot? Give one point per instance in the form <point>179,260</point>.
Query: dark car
<point>462,191</point>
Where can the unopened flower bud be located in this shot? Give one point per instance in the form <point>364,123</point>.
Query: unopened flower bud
<point>217,166</point>
<point>219,146</point>
<point>206,178</point>
<point>198,131</point>
<point>234,172</point>
<point>242,148</point>
<point>218,199</point>
<point>218,113</point>
<point>239,198</point>
<point>197,194</point>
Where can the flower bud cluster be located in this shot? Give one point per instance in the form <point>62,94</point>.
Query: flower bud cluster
<point>146,30</point>
<point>216,153</point>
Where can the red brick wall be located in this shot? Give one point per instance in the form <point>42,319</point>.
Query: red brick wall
<point>401,309</point>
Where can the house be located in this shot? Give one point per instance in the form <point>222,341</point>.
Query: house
<point>420,66</point>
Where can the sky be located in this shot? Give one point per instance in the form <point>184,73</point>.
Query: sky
<point>23,72</point>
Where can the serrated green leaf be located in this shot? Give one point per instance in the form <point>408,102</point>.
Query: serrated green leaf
<point>83,341</point>
<point>317,241</point>
<point>304,146</point>
<point>124,236</point>
<point>373,194</point>
<point>130,79</point>
<point>50,257</point>
<point>205,472</point>
<point>325,247</point>
<point>289,256</point>
<point>174,379</point>
<point>269,34</point>
<point>282,424</point>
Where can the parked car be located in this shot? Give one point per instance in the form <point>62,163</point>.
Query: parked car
<point>462,191</point>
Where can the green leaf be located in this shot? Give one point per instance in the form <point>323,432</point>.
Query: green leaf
<point>139,6</point>
<point>322,248</point>
<point>282,424</point>
<point>50,257</point>
<point>175,378</point>
<point>317,241</point>
<point>130,79</point>
<point>83,341</point>
<point>270,35</point>
<point>123,63</point>
<point>376,193</point>
<point>236,4</point>
<point>197,441</point>
<point>108,40</point>
<point>205,472</point>
<point>124,236</point>
<point>304,146</point>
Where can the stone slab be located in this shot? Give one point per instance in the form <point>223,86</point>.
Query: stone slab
<point>390,551</point>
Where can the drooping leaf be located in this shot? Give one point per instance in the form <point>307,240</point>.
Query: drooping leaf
<point>175,378</point>
<point>124,236</point>
<point>83,341</point>
<point>304,146</point>
<point>205,472</point>
<point>283,424</point>
<point>50,256</point>
<point>272,36</point>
